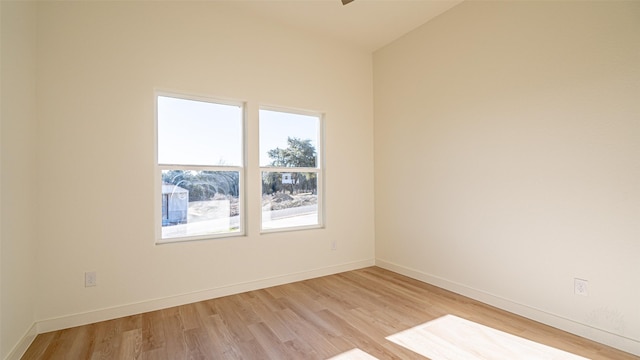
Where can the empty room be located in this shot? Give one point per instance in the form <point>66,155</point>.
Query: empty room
<point>308,179</point>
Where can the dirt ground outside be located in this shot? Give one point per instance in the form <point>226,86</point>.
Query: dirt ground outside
<point>222,206</point>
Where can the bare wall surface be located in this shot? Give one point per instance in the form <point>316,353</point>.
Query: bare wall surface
<point>98,66</point>
<point>17,170</point>
<point>507,158</point>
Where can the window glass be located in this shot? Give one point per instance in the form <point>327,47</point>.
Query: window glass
<point>196,203</point>
<point>289,200</point>
<point>199,132</point>
<point>278,129</point>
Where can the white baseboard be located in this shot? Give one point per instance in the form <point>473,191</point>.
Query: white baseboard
<point>65,322</point>
<point>20,348</point>
<point>601,336</point>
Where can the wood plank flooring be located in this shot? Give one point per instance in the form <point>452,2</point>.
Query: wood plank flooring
<point>314,319</point>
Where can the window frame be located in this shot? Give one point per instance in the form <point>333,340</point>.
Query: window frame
<point>159,167</point>
<point>319,169</point>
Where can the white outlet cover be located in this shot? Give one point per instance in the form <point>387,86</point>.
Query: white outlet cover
<point>90,279</point>
<point>581,287</point>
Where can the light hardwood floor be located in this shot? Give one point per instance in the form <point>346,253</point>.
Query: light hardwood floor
<point>313,319</point>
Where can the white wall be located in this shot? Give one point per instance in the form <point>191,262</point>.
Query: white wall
<point>507,159</point>
<point>17,172</point>
<point>99,63</point>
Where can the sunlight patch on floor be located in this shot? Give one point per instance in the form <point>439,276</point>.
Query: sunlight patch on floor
<point>355,354</point>
<point>453,338</point>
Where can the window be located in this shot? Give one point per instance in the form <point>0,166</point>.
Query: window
<point>290,165</point>
<point>200,167</point>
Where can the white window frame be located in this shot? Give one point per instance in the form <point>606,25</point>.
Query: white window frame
<point>160,167</point>
<point>319,170</point>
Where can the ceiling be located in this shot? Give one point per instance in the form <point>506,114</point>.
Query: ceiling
<point>365,24</point>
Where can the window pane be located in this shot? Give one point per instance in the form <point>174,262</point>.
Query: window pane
<point>196,203</point>
<point>288,140</point>
<point>289,199</point>
<point>198,132</point>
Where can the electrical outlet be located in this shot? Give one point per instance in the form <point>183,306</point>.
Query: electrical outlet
<point>334,245</point>
<point>90,279</point>
<point>581,287</point>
